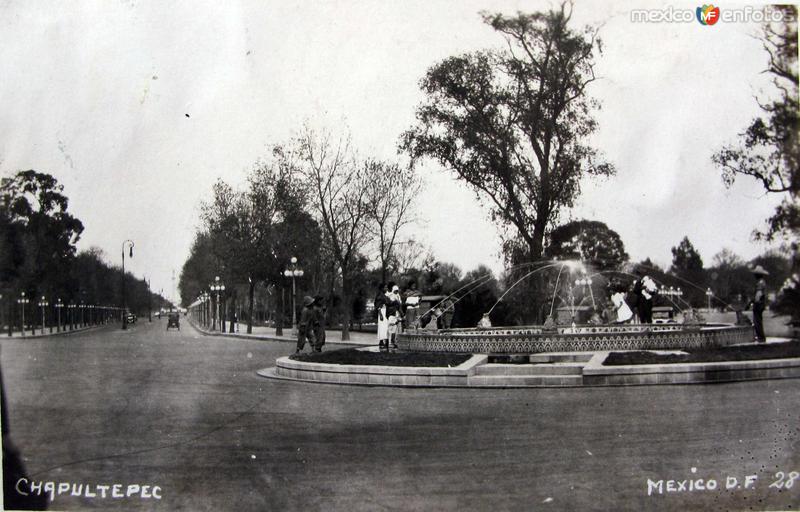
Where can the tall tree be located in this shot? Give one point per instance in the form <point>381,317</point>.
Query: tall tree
<point>337,185</point>
<point>768,150</point>
<point>513,123</point>
<point>390,196</point>
<point>43,233</point>
<point>688,266</point>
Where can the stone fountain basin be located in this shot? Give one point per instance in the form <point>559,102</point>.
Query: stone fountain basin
<point>580,338</point>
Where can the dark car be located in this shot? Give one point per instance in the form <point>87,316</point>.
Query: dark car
<point>174,320</point>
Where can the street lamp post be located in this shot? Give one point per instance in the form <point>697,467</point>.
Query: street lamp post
<point>294,271</point>
<point>129,243</point>
<point>217,287</point>
<point>22,301</point>
<point>59,305</point>
<point>43,304</point>
<point>208,309</point>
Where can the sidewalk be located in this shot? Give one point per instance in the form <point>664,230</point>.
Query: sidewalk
<point>268,334</point>
<point>18,335</point>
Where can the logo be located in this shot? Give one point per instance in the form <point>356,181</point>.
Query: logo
<point>707,15</point>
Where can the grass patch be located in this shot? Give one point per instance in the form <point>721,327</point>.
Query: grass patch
<point>707,355</point>
<point>361,357</point>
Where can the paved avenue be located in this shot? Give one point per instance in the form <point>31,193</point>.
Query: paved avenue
<point>187,413</point>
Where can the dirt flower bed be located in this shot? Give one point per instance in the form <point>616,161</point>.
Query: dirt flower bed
<point>361,357</point>
<point>711,355</point>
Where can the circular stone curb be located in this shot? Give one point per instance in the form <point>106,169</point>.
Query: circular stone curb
<point>476,372</point>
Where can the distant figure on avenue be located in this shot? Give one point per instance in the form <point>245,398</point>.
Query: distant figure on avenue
<point>393,311</point>
<point>412,297</point>
<point>759,303</point>
<point>485,321</point>
<point>320,313</point>
<point>448,309</point>
<point>646,289</point>
<point>382,320</point>
<point>306,327</point>
<point>624,313</point>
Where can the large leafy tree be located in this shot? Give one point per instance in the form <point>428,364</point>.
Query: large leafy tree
<point>769,150</point>
<point>514,122</point>
<point>589,241</point>
<point>41,232</point>
<point>253,233</point>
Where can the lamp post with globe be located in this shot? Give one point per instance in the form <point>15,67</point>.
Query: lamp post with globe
<point>22,301</point>
<point>217,287</point>
<point>59,307</point>
<point>294,271</point>
<point>43,304</point>
<point>128,243</point>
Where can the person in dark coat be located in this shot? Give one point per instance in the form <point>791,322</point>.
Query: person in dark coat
<point>759,303</point>
<point>646,290</point>
<point>320,312</point>
<point>307,325</point>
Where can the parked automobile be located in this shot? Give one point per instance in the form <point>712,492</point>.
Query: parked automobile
<point>131,318</point>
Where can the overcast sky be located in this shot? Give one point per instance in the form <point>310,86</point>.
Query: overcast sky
<point>138,107</point>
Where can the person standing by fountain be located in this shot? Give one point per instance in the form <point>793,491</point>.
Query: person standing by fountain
<point>646,289</point>
<point>624,313</point>
<point>412,297</point>
<point>306,326</point>
<point>320,312</point>
<point>393,306</point>
<point>759,303</point>
<point>448,310</point>
<point>382,320</point>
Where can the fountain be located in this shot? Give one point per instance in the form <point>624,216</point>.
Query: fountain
<point>574,288</point>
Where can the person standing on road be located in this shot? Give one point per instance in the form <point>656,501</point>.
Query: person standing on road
<point>306,326</point>
<point>320,312</point>
<point>759,303</point>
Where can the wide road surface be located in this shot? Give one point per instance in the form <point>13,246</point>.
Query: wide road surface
<point>187,413</point>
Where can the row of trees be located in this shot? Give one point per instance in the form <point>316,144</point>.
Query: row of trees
<point>38,253</point>
<point>315,199</point>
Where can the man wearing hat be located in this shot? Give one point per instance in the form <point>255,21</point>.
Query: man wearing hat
<point>759,303</point>
<point>307,325</point>
<point>320,314</point>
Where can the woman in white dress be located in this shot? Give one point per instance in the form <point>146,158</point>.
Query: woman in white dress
<point>624,313</point>
<point>382,320</point>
